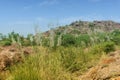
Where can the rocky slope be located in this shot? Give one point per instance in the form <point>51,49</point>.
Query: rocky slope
<point>107,69</point>
<point>78,27</point>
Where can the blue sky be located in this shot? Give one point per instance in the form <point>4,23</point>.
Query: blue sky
<point>23,15</point>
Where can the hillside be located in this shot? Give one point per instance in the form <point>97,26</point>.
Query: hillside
<point>78,27</point>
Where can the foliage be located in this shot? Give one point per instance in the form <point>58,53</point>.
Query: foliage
<point>108,47</point>
<point>5,43</point>
<point>68,40</point>
<point>45,42</point>
<point>103,47</point>
<point>116,37</point>
<point>91,26</point>
<point>83,38</point>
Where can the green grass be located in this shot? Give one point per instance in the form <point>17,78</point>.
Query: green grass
<point>41,66</point>
<point>60,64</point>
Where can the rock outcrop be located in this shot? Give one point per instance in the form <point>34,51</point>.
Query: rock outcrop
<point>107,69</point>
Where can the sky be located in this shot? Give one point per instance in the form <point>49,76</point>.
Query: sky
<point>22,16</point>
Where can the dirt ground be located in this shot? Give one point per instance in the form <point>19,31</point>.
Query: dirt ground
<point>10,55</point>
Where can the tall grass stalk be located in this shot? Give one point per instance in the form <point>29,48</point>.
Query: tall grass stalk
<point>38,36</point>
<point>52,37</point>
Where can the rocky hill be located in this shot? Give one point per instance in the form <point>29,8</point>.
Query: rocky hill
<point>78,27</point>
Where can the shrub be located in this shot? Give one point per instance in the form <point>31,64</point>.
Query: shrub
<point>26,42</point>
<point>116,37</point>
<point>103,47</point>
<point>83,38</point>
<point>45,42</point>
<point>68,40</point>
<point>91,26</point>
<point>5,42</point>
<point>108,47</point>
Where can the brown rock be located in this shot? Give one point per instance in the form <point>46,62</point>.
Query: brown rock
<point>107,69</point>
<point>27,51</point>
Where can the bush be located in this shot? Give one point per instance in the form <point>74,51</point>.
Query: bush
<point>5,42</point>
<point>103,47</point>
<point>83,38</point>
<point>116,37</point>
<point>45,42</point>
<point>108,47</point>
<point>68,40</point>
